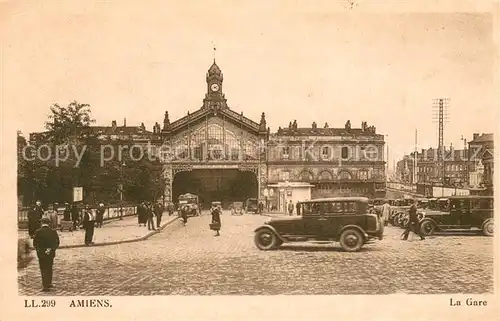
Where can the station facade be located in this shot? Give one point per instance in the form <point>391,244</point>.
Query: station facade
<point>221,155</point>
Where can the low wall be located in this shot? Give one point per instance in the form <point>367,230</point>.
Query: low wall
<point>110,213</point>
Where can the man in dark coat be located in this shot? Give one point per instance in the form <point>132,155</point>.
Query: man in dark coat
<point>100,215</point>
<point>141,213</point>
<point>413,224</point>
<point>75,215</point>
<point>46,241</point>
<point>88,225</point>
<point>297,207</point>
<point>158,212</point>
<point>150,215</point>
<point>34,217</point>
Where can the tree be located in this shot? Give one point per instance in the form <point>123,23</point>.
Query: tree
<point>68,122</point>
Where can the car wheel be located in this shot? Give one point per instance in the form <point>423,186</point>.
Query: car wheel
<point>488,227</point>
<point>265,239</point>
<point>427,228</point>
<point>351,240</point>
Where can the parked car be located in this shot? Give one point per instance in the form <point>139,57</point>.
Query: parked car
<point>252,205</point>
<point>340,219</point>
<point>237,208</point>
<point>462,212</point>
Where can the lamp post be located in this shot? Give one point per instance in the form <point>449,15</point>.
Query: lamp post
<point>121,189</point>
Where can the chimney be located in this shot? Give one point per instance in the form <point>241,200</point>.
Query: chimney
<point>475,136</point>
<point>124,122</point>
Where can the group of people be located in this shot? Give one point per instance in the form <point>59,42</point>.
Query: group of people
<point>146,211</point>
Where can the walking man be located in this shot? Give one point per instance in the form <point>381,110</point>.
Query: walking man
<point>413,224</point>
<point>149,215</point>
<point>46,241</point>
<point>386,210</point>
<point>88,225</point>
<point>290,208</point>
<point>34,217</point>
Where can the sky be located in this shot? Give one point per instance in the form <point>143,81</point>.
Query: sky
<point>311,61</point>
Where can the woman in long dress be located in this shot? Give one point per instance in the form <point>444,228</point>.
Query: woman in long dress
<point>216,210</point>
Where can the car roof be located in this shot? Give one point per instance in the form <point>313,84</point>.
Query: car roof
<point>338,199</point>
<point>470,197</point>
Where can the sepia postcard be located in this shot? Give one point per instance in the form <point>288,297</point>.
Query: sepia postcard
<point>248,160</point>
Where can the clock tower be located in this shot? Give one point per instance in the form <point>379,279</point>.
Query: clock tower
<point>214,98</point>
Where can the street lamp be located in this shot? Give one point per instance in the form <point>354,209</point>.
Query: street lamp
<point>121,189</point>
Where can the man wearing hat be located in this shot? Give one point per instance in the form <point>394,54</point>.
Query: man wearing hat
<point>100,215</point>
<point>88,225</point>
<point>45,242</point>
<point>34,217</point>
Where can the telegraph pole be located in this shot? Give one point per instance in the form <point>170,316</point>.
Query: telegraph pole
<point>440,115</point>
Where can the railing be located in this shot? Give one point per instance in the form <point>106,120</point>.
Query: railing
<point>111,212</point>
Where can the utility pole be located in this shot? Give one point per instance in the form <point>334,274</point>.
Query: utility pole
<point>466,154</point>
<point>440,115</point>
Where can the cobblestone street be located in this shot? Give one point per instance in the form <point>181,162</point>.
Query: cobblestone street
<point>190,260</point>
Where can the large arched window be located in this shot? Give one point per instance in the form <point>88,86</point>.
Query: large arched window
<point>306,176</point>
<point>325,176</point>
<point>345,175</point>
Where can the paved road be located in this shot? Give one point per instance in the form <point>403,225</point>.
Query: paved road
<point>192,261</point>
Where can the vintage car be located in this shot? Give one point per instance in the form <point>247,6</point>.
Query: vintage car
<point>189,202</point>
<point>216,204</point>
<point>339,219</point>
<point>237,208</point>
<point>252,205</point>
<point>462,212</point>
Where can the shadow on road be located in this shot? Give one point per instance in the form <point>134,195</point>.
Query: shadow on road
<point>313,248</point>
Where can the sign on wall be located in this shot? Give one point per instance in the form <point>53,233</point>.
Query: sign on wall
<point>77,194</point>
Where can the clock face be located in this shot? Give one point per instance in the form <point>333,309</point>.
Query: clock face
<point>214,87</point>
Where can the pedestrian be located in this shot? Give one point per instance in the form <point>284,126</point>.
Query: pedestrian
<point>150,216</point>
<point>297,207</point>
<point>100,215</point>
<point>67,213</point>
<point>290,208</point>
<point>386,211</point>
<point>413,224</point>
<point>75,215</point>
<point>216,223</point>
<point>141,213</point>
<point>261,207</point>
<point>158,212</point>
<point>52,215</point>
<point>46,241</point>
<point>34,217</point>
<point>88,225</point>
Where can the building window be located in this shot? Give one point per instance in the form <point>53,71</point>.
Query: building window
<point>345,152</point>
<point>285,152</point>
<point>285,176</point>
<point>325,152</point>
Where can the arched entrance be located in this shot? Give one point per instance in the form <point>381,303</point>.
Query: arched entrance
<point>225,185</point>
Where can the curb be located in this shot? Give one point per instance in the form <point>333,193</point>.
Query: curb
<point>142,238</point>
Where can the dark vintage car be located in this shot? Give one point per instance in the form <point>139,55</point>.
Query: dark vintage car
<point>252,205</point>
<point>189,203</point>
<point>237,208</point>
<point>340,219</point>
<point>460,212</point>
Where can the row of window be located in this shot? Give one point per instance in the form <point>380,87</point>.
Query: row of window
<point>331,207</point>
<point>328,153</point>
<point>449,167</point>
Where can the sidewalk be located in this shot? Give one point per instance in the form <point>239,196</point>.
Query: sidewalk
<point>112,232</point>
